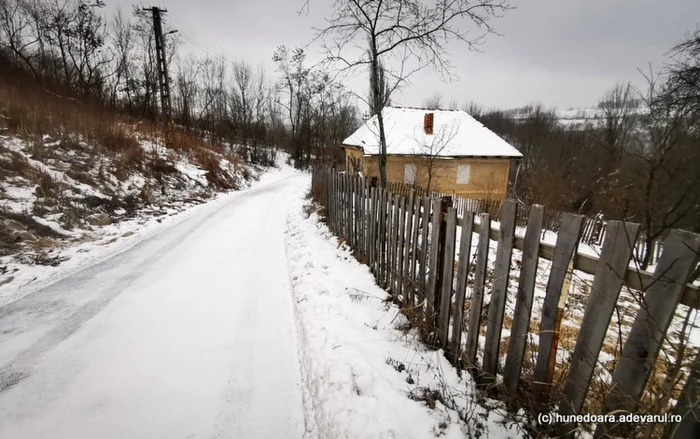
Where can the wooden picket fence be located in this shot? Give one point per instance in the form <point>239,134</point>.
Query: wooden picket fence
<point>409,241</point>
<point>592,231</point>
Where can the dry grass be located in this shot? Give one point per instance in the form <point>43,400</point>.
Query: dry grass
<point>33,113</point>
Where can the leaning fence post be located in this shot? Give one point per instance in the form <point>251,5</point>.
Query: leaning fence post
<point>614,259</point>
<point>552,308</point>
<point>679,259</point>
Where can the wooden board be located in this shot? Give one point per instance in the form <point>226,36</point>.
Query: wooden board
<point>465,247</point>
<point>524,300</point>
<point>501,277</point>
<point>567,241</point>
<point>447,277</point>
<point>482,257</point>
<point>434,257</point>
<point>614,259</point>
<point>678,260</point>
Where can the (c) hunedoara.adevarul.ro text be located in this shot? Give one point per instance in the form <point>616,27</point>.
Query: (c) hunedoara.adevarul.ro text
<point>616,418</point>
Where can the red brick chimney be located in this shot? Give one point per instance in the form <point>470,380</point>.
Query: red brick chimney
<point>428,123</point>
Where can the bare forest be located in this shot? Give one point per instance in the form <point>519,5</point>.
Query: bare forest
<point>636,158</point>
<point>72,50</point>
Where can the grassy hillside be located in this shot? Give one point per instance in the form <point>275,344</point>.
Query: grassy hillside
<point>68,168</point>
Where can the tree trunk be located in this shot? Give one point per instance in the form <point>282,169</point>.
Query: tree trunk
<point>379,107</point>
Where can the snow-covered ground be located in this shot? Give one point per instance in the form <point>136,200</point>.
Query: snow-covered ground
<point>240,317</point>
<point>190,333</point>
<point>44,183</point>
<point>368,377</point>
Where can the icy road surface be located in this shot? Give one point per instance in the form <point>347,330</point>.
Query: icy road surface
<point>189,334</point>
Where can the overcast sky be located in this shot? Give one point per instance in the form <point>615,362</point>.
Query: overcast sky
<point>564,53</point>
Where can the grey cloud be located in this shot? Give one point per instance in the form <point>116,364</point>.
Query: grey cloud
<point>561,52</point>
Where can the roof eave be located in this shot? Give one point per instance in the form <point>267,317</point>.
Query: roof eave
<point>454,156</point>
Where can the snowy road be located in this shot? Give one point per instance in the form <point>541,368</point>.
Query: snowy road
<point>189,334</point>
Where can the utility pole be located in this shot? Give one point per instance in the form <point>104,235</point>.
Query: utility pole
<point>163,80</point>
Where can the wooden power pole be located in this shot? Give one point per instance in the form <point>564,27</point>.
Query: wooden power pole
<point>163,80</point>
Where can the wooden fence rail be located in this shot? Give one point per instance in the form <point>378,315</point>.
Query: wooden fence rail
<point>409,239</point>
<point>593,229</point>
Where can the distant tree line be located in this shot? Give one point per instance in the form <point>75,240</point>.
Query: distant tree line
<point>637,160</point>
<point>71,48</point>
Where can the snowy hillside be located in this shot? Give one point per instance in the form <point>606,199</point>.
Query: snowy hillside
<point>62,197</point>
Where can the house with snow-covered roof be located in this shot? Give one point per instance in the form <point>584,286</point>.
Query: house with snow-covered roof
<point>441,150</point>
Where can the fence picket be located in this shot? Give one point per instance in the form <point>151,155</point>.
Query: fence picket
<point>434,257</point>
<point>385,227</point>
<point>407,254</point>
<point>373,229</point>
<point>679,259</point>
<point>465,248</point>
<point>614,258</point>
<point>400,249</point>
<point>482,256</point>
<point>414,239</point>
<point>344,205</point>
<point>564,250</point>
<point>447,277</point>
<point>500,290</point>
<point>381,248</point>
<point>523,303</point>
<point>356,214</point>
<point>423,268</point>
<point>392,243</point>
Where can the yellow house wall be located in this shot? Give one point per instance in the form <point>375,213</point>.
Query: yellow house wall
<point>488,177</point>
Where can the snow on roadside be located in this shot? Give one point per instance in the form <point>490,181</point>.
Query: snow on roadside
<point>360,369</point>
<point>24,277</point>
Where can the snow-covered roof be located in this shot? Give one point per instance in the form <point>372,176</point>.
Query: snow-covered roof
<point>455,134</point>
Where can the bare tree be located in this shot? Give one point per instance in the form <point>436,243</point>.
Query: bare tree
<point>16,33</point>
<point>292,84</point>
<point>474,109</point>
<point>683,85</point>
<point>187,90</point>
<point>619,110</point>
<point>409,33</point>
<point>434,102</point>
<point>663,178</point>
<point>432,151</point>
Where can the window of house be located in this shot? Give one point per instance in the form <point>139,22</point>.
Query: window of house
<point>409,174</point>
<point>463,172</point>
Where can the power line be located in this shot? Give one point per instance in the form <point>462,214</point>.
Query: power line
<point>209,46</point>
<point>206,50</point>
<point>211,42</point>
